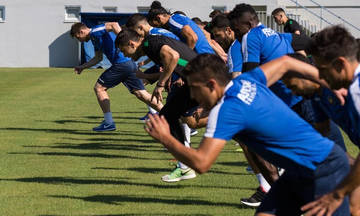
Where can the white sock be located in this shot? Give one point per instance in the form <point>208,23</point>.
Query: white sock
<point>152,110</point>
<point>263,183</point>
<point>187,132</point>
<point>181,165</point>
<point>108,117</point>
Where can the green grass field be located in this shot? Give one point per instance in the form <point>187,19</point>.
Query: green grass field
<point>52,164</point>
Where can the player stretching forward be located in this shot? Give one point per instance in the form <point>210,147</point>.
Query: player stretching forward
<point>313,164</point>
<point>123,69</point>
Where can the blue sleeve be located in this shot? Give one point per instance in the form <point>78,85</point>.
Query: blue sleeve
<point>177,22</point>
<point>287,36</point>
<point>235,60</point>
<point>96,36</point>
<point>251,46</point>
<point>255,74</point>
<point>225,120</point>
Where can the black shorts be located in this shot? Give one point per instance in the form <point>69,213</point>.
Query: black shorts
<point>121,73</point>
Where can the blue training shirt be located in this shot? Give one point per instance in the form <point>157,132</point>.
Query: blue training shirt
<point>105,42</point>
<point>347,116</point>
<point>176,24</point>
<point>261,45</point>
<point>234,59</point>
<point>265,124</point>
<point>164,32</point>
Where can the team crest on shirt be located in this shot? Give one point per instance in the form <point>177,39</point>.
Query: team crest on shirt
<point>247,92</point>
<point>268,32</point>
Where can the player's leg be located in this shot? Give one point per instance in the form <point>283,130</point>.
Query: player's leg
<point>145,97</point>
<point>354,202</point>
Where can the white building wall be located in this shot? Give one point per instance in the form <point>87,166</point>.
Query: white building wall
<point>34,33</point>
<point>346,9</point>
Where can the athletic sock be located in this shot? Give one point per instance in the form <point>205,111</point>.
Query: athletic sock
<point>263,183</point>
<point>108,117</point>
<point>152,110</point>
<point>187,132</point>
<point>181,165</point>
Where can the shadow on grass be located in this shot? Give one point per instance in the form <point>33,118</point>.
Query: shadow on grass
<point>62,131</point>
<point>119,199</point>
<point>162,170</point>
<point>71,181</point>
<point>234,163</point>
<point>101,146</point>
<point>92,155</point>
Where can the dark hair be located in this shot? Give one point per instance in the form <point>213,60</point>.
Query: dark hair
<point>220,21</point>
<point>215,13</point>
<point>134,20</point>
<point>208,66</point>
<point>197,20</point>
<point>156,9</point>
<point>240,10</point>
<point>277,10</point>
<point>125,36</point>
<point>76,27</point>
<point>179,12</point>
<point>333,42</point>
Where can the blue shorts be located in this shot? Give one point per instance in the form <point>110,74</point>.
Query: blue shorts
<point>121,73</point>
<point>299,186</point>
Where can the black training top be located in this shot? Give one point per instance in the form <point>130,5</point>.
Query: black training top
<point>291,26</point>
<point>152,45</point>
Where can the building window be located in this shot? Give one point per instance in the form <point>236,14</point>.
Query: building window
<point>220,8</point>
<point>110,9</point>
<point>2,13</point>
<point>72,13</point>
<point>143,9</point>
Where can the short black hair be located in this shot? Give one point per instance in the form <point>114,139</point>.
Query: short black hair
<point>215,13</point>
<point>197,20</point>
<point>135,19</point>
<point>220,21</point>
<point>240,10</point>
<point>208,66</point>
<point>125,36</point>
<point>358,44</point>
<point>76,27</point>
<point>276,11</point>
<point>156,9</point>
<point>333,42</point>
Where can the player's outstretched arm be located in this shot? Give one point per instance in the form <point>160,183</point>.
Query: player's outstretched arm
<point>199,159</point>
<point>113,26</point>
<point>328,203</point>
<point>96,59</point>
<point>190,36</point>
<point>276,69</point>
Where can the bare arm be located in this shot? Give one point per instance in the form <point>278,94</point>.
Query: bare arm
<point>190,36</point>
<point>96,59</point>
<point>199,159</point>
<point>330,202</point>
<point>113,26</point>
<point>276,69</point>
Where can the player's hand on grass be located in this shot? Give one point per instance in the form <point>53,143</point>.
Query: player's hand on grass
<point>157,127</point>
<point>325,205</point>
<point>157,94</point>
<point>78,69</point>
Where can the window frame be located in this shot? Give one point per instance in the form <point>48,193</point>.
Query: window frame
<point>3,17</point>
<point>71,19</point>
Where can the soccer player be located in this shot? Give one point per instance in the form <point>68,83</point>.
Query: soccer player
<point>335,52</point>
<point>172,55</point>
<point>290,25</point>
<point>313,164</point>
<point>225,36</point>
<point>122,69</point>
<point>182,26</point>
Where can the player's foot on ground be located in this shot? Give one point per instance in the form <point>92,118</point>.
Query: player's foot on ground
<point>105,127</point>
<point>179,174</point>
<point>193,132</point>
<point>255,199</point>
